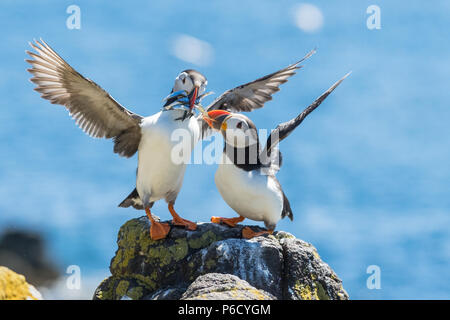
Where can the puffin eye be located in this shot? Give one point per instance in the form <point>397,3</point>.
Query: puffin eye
<point>184,80</point>
<point>239,125</point>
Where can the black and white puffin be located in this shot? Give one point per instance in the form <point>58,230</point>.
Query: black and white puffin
<point>245,177</point>
<point>100,116</point>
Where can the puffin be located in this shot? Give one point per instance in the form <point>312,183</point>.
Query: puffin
<point>100,116</point>
<point>246,176</point>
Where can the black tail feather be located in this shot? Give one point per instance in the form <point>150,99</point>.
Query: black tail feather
<point>133,200</point>
<point>287,211</point>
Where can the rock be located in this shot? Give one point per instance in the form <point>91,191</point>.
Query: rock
<point>25,252</point>
<point>277,266</point>
<point>217,286</point>
<point>314,280</point>
<point>14,287</point>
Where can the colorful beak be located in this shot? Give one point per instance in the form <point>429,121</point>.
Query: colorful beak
<point>193,98</point>
<point>212,116</point>
<point>174,98</point>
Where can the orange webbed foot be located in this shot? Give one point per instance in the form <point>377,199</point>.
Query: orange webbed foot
<point>178,221</point>
<point>248,233</point>
<point>159,230</point>
<point>184,223</point>
<point>232,222</point>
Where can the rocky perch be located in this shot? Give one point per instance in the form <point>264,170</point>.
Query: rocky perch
<point>214,262</point>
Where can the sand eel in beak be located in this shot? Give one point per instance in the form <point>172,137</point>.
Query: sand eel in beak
<point>100,116</point>
<point>246,176</point>
<point>188,91</point>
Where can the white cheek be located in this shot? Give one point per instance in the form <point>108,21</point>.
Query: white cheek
<point>237,138</point>
<point>179,85</point>
<point>251,140</point>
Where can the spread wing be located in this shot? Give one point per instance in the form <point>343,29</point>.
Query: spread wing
<point>93,109</point>
<point>284,129</point>
<point>255,94</point>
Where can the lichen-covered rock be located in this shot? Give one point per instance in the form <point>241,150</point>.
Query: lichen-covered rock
<point>258,261</point>
<point>217,286</point>
<point>314,280</point>
<point>281,265</point>
<point>14,287</point>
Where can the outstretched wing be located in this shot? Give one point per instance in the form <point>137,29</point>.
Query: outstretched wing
<point>93,109</point>
<point>285,128</point>
<point>255,94</point>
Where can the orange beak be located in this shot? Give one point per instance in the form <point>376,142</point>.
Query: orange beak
<point>213,115</point>
<point>209,121</point>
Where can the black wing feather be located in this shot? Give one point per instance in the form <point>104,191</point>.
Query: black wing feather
<point>284,129</point>
<point>255,94</point>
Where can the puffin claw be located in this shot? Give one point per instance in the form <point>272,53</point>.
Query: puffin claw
<point>179,221</point>
<point>248,233</point>
<point>232,222</point>
<point>185,223</point>
<point>159,230</point>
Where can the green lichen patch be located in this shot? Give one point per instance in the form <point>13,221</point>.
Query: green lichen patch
<point>122,288</point>
<point>204,240</point>
<point>135,293</point>
<point>115,288</point>
<point>313,291</point>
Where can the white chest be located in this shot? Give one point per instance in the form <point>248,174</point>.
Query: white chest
<point>165,147</point>
<point>250,193</point>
